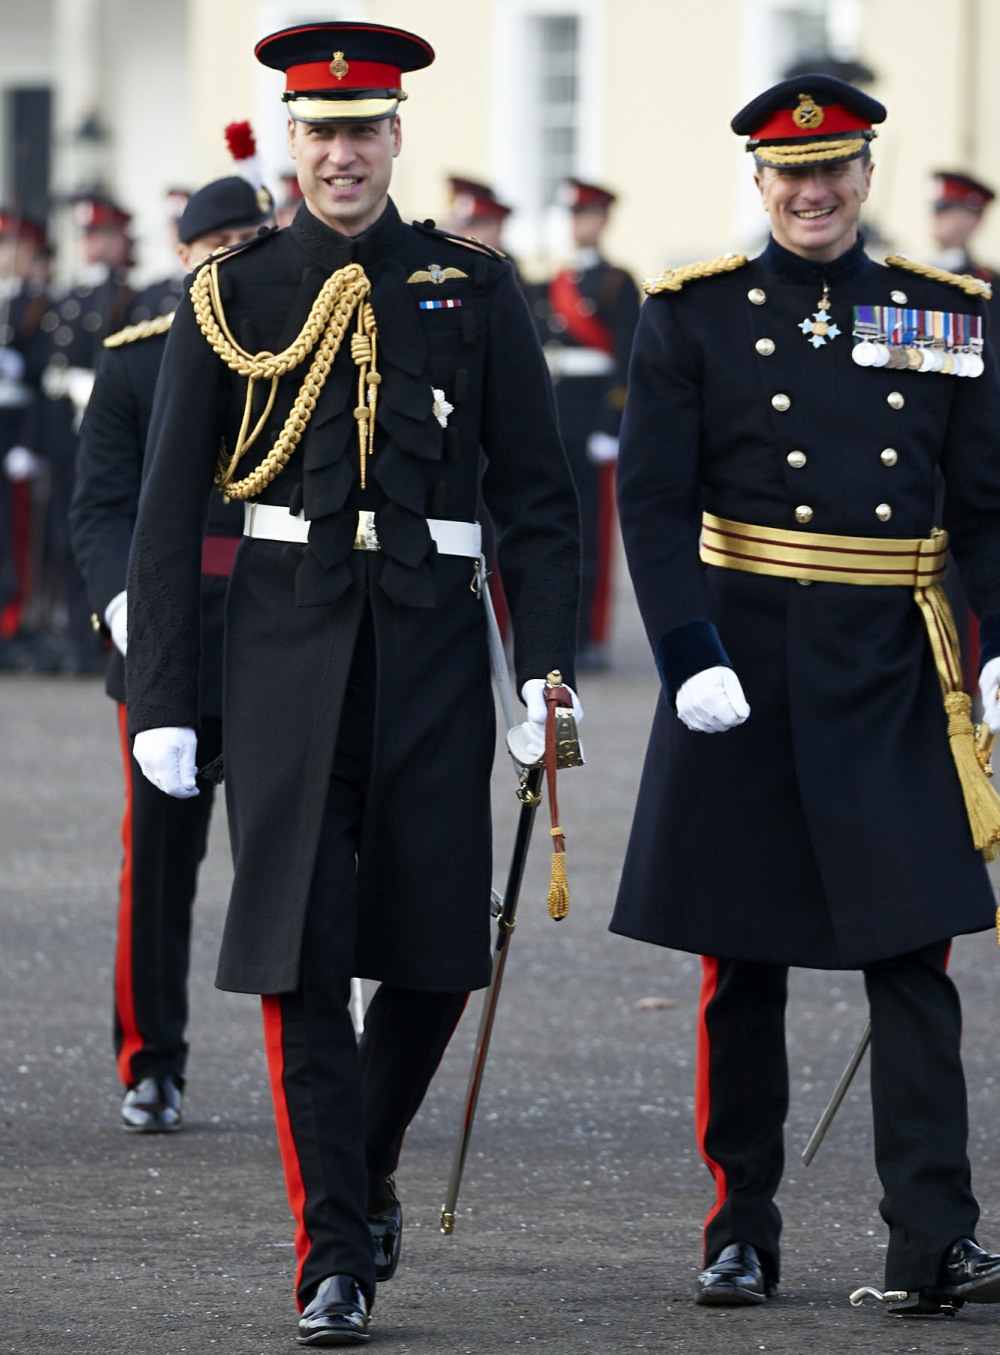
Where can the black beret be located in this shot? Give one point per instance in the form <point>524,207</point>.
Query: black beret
<point>224,204</point>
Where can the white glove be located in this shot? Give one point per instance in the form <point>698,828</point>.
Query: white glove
<point>21,464</point>
<point>166,757</point>
<point>11,364</point>
<point>116,620</point>
<point>712,701</point>
<point>526,742</point>
<point>601,448</point>
<point>989,681</point>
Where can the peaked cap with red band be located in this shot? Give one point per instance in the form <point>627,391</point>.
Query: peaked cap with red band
<point>97,213</point>
<point>14,227</point>
<point>473,201</point>
<point>809,120</point>
<point>343,72</point>
<point>580,196</point>
<point>952,189</point>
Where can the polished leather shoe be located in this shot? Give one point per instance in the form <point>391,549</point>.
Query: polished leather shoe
<point>337,1314</point>
<point>152,1106</point>
<point>970,1274</point>
<point>385,1223</point>
<point>735,1278</point>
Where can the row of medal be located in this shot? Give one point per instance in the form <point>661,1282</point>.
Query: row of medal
<point>922,341</point>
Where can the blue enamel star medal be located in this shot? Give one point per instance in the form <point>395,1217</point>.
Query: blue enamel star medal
<point>818,327</point>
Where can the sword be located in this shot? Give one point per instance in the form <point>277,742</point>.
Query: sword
<point>839,1092</point>
<point>530,794</point>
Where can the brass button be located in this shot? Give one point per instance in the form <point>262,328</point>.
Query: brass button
<point>796,460</point>
<point>803,513</point>
<point>896,401</point>
<point>898,298</point>
<point>883,512</point>
<point>781,402</point>
<point>889,456</point>
<point>756,296</point>
<point>765,347</point>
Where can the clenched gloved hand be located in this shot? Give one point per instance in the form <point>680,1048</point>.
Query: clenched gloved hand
<point>166,757</point>
<point>712,701</point>
<point>989,682</point>
<point>527,741</point>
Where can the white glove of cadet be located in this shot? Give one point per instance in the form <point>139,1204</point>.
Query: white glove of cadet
<point>166,757</point>
<point>116,620</point>
<point>11,364</point>
<point>601,448</point>
<point>712,701</point>
<point>527,741</point>
<point>21,463</point>
<point>989,681</point>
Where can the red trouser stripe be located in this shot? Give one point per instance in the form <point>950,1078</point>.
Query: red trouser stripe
<point>294,1185</point>
<point>124,991</point>
<point>703,1083</point>
<point>607,521</point>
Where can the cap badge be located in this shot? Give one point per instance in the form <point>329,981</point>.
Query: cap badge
<point>809,115</point>
<point>338,66</point>
<point>436,274</point>
<point>265,203</point>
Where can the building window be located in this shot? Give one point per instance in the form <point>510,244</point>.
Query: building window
<point>558,99</point>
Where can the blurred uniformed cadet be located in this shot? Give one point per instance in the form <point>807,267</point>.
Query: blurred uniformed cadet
<point>161,297</point>
<point>164,839</point>
<point>23,302</point>
<point>959,205</point>
<point>97,304</point>
<point>586,317</point>
<point>811,794</point>
<point>475,210</point>
<point>289,197</point>
<point>353,370</point>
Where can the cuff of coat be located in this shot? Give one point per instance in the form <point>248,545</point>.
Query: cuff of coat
<point>687,650</point>
<point>989,639</point>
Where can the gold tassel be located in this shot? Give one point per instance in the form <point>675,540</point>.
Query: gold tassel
<point>558,884</point>
<point>981,801</point>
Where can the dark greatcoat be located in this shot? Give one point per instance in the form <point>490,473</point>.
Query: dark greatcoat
<point>106,498</point>
<point>424,868</point>
<point>828,830</point>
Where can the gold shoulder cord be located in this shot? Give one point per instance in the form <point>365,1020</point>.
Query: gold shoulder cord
<point>970,285</point>
<point>343,293</point>
<point>673,279</point>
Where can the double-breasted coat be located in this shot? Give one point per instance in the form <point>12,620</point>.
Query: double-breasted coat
<point>451,327</point>
<point>829,829</point>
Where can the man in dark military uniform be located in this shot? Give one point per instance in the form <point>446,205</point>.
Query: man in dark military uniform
<point>97,304</point>
<point>475,210</point>
<point>586,317</point>
<point>164,838</point>
<point>800,803</point>
<point>344,376</point>
<point>23,302</point>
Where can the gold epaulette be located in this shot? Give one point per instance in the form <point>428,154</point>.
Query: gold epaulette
<point>145,329</point>
<point>965,282</point>
<point>673,279</point>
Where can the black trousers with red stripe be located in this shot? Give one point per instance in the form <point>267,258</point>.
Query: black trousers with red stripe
<point>163,844</point>
<point>918,1104</point>
<point>342,1107</point>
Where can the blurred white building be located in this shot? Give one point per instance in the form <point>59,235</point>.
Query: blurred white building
<point>637,94</point>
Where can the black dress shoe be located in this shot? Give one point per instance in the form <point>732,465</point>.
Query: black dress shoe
<point>337,1314</point>
<point>735,1278</point>
<point>969,1273</point>
<point>385,1223</point>
<point>152,1106</point>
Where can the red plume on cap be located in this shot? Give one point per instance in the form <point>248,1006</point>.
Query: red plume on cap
<point>241,141</point>
<point>243,148</point>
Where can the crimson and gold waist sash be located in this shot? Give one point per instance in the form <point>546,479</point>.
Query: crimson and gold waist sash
<point>918,563</point>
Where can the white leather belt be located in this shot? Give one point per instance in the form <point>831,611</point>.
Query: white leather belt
<point>271,522</point>
<point>566,361</point>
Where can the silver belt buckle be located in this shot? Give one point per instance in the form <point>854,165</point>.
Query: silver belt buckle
<point>366,537</point>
